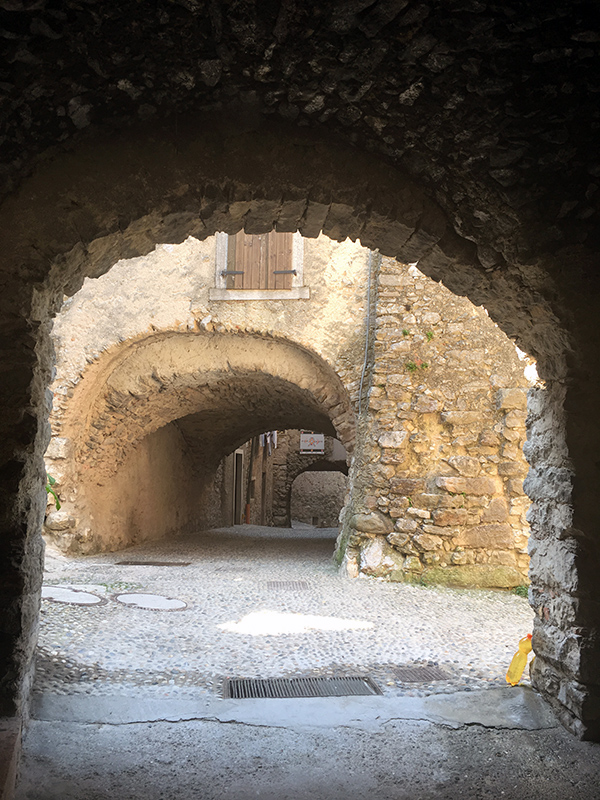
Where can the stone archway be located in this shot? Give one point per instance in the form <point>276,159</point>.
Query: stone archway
<point>290,463</point>
<point>149,423</point>
<point>118,196</point>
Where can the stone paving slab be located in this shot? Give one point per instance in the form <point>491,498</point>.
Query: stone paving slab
<point>237,625</point>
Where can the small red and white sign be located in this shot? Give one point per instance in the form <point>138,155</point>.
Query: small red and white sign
<point>312,442</point>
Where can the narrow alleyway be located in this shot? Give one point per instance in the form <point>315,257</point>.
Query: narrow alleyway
<point>127,699</point>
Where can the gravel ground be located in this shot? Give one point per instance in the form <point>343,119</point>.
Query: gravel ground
<point>237,625</point>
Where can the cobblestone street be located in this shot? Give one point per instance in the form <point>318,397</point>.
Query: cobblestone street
<point>263,602</point>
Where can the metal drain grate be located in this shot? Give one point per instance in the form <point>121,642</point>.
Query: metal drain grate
<point>153,563</point>
<point>246,688</point>
<point>293,586</point>
<point>420,674</point>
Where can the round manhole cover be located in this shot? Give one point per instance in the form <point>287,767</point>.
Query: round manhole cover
<point>154,601</point>
<point>78,597</point>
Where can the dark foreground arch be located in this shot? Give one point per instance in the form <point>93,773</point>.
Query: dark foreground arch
<point>115,196</point>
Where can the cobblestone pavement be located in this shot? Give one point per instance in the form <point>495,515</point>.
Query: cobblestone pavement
<point>239,623</point>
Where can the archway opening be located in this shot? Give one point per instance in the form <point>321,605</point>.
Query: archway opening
<point>410,231</point>
<point>165,409</point>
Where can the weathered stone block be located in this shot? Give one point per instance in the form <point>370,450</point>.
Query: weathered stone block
<point>398,539</point>
<point>413,564</point>
<point>401,347</point>
<point>476,486</point>
<point>511,399</point>
<point>397,508</point>
<point>465,465</point>
<point>371,556</point>
<point>425,541</point>
<point>496,511</point>
<point>515,486</point>
<point>392,439</point>
<point>59,447</point>
<point>59,521</point>
<point>450,516</point>
<point>424,404</point>
<point>406,525</point>
<point>511,468</point>
<point>492,537</point>
<point>489,438</point>
<point>437,530</point>
<point>515,419</point>
<point>420,513</point>
<point>379,559</point>
<point>510,452</point>
<point>508,558</point>
<point>407,486</point>
<point>437,500</point>
<point>392,280</point>
<point>372,523</point>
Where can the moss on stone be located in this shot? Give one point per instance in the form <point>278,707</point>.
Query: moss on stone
<point>474,576</point>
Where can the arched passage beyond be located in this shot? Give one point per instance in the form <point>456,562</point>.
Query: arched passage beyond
<point>317,495</point>
<point>117,196</point>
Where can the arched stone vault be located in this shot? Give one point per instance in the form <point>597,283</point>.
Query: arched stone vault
<point>177,192</point>
<point>491,110</point>
<point>171,376</point>
<point>218,390</point>
<point>290,462</point>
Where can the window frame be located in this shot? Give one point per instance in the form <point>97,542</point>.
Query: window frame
<point>220,291</point>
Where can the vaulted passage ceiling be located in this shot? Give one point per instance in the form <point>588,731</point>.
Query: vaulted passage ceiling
<point>242,406</point>
<point>491,105</point>
<point>220,390</point>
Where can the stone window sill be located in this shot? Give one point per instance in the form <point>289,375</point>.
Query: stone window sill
<point>295,293</point>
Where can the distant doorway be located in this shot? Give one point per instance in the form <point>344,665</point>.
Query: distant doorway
<point>238,488</point>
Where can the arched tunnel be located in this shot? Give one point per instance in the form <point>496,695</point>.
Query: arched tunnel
<point>153,420</point>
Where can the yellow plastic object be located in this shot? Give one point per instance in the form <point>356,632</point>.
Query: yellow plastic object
<point>519,661</point>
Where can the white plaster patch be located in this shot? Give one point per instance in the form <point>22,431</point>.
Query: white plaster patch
<point>153,601</point>
<point>62,594</point>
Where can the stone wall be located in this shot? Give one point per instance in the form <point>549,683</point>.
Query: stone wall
<point>318,498</point>
<point>154,494</point>
<point>440,469</point>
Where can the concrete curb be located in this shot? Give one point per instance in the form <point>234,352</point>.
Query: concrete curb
<point>518,709</point>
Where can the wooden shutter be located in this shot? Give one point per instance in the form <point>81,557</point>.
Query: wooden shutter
<point>264,261</point>
<point>280,260</point>
<point>233,281</point>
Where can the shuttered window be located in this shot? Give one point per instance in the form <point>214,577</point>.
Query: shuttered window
<point>261,261</point>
